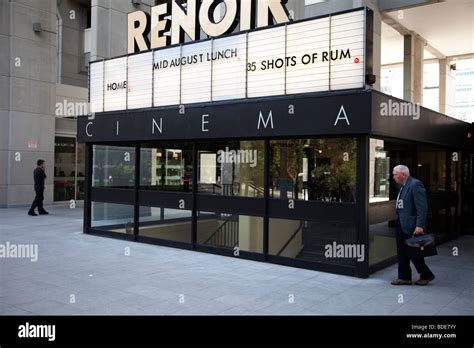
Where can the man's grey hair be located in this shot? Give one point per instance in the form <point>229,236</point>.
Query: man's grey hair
<point>402,169</point>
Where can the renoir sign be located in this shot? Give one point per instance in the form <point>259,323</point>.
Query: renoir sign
<point>314,55</point>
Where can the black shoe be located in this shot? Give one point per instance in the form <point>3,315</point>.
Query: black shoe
<point>32,213</point>
<point>43,212</point>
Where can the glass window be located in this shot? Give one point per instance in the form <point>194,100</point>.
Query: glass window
<point>455,159</point>
<point>113,166</point>
<point>64,168</point>
<point>432,168</point>
<point>391,80</point>
<point>112,217</point>
<point>383,157</point>
<point>164,223</point>
<point>166,166</point>
<point>69,169</point>
<point>379,177</point>
<point>312,240</point>
<point>81,170</point>
<point>313,169</point>
<point>464,89</point>
<point>431,85</point>
<point>382,222</point>
<point>230,231</point>
<point>88,17</point>
<point>231,168</point>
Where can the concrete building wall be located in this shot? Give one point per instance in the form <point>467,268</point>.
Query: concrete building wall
<point>28,85</point>
<point>29,93</point>
<point>73,21</point>
<point>296,8</point>
<point>69,99</point>
<point>447,88</point>
<point>4,96</point>
<point>109,26</point>
<point>323,8</point>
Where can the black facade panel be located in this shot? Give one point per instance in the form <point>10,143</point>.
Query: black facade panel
<point>307,210</point>
<point>429,126</point>
<point>113,195</point>
<point>165,199</point>
<point>231,205</point>
<point>309,115</point>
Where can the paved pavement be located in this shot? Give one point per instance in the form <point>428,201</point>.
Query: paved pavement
<point>83,274</point>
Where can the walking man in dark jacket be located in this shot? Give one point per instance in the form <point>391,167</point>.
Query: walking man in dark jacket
<point>412,211</point>
<point>39,176</point>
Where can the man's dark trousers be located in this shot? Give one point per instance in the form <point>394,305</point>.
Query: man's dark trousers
<point>404,269</point>
<point>38,202</point>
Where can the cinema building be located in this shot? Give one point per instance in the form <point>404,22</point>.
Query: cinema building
<point>268,144</point>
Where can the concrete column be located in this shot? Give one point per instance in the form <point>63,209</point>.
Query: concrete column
<point>27,95</point>
<point>296,8</point>
<point>447,89</point>
<point>377,37</point>
<point>109,26</point>
<point>413,68</point>
<point>4,98</point>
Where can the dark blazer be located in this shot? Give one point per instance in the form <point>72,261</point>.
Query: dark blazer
<point>39,176</point>
<point>413,209</point>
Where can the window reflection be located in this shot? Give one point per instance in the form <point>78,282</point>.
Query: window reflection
<point>112,217</point>
<point>379,173</point>
<point>113,166</point>
<point>166,166</point>
<point>231,168</point>
<point>69,169</point>
<point>432,168</point>
<point>313,169</point>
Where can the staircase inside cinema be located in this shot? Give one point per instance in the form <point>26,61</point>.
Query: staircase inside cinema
<point>316,235</point>
<point>307,242</point>
<point>227,234</point>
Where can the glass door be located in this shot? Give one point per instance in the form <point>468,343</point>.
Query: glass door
<point>69,169</point>
<point>81,171</point>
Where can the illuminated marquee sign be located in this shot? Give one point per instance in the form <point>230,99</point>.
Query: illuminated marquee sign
<point>314,55</point>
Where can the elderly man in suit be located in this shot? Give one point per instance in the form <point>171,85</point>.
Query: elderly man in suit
<point>412,210</point>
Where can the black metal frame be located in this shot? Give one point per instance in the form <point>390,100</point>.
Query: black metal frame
<point>362,268</point>
<point>265,207</point>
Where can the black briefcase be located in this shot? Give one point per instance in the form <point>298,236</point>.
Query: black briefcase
<point>422,245</point>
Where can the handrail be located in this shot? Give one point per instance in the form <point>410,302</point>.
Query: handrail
<point>290,239</point>
<point>229,219</point>
<point>257,189</point>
